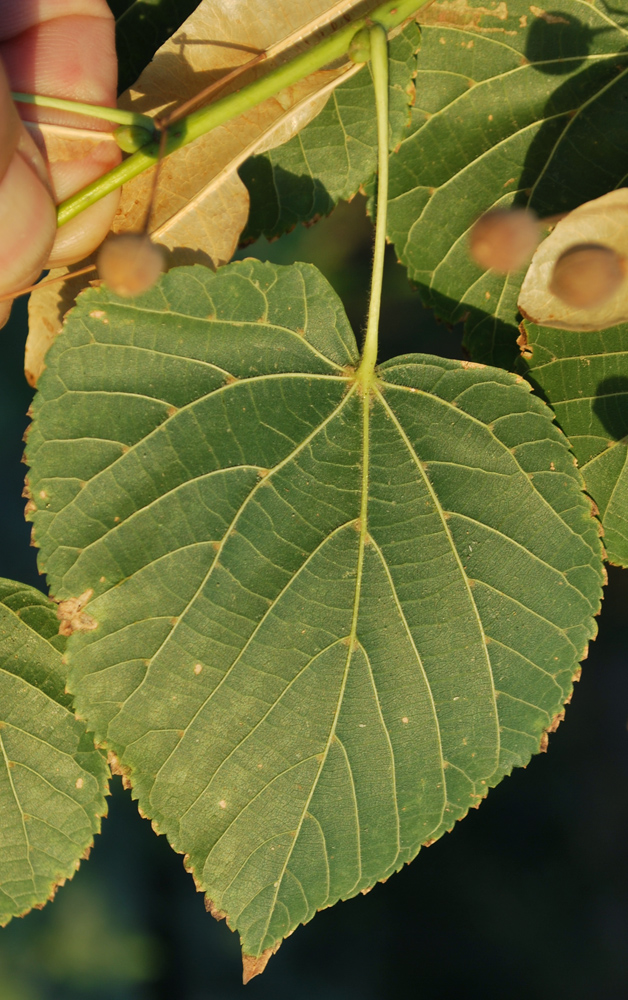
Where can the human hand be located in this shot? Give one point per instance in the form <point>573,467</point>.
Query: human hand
<point>61,48</point>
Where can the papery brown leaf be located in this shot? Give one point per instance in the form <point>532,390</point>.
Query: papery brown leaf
<point>46,310</point>
<point>201,205</point>
<point>603,220</point>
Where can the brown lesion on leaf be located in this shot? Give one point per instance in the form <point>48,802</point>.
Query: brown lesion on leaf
<point>72,617</point>
<point>523,344</point>
<point>254,965</point>
<point>553,726</point>
<point>471,364</point>
<point>121,770</point>
<point>211,907</point>
<point>548,18</point>
<point>460,14</point>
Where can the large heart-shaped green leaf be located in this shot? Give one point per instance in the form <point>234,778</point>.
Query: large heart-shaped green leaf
<point>327,620</point>
<point>52,780</point>
<point>584,376</point>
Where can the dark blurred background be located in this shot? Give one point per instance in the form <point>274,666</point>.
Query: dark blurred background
<point>527,897</point>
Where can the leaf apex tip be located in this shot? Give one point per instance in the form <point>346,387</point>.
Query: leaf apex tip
<point>254,966</point>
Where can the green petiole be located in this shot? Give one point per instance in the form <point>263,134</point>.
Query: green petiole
<point>388,15</point>
<point>115,115</point>
<point>379,66</point>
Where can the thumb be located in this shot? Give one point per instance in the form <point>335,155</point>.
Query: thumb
<point>27,212</point>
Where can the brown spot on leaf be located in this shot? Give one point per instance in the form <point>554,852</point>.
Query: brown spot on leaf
<point>471,364</point>
<point>72,617</point>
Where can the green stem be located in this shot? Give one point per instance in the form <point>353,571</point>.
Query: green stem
<point>379,66</point>
<point>389,15</point>
<point>91,110</point>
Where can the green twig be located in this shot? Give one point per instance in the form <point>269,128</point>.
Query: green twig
<point>379,66</point>
<point>91,110</point>
<point>389,15</point>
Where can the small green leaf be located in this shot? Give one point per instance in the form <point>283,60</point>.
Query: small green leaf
<point>584,376</point>
<point>335,154</point>
<point>326,622</point>
<point>52,781</point>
